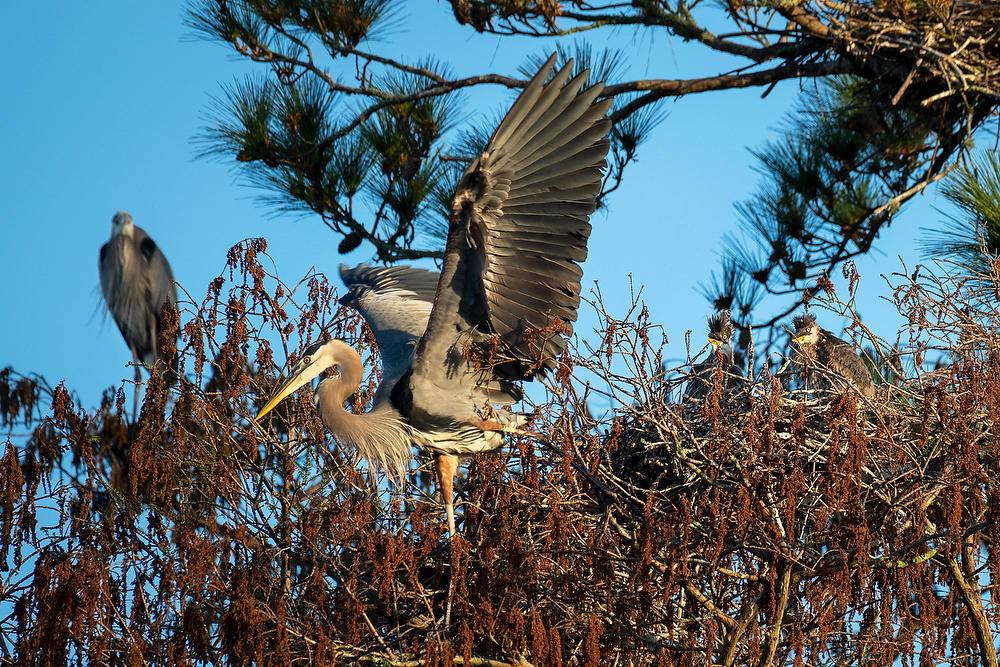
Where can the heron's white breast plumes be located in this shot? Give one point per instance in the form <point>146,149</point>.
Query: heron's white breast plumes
<point>382,439</point>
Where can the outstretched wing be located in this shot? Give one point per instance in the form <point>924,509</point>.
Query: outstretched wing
<point>412,283</point>
<point>395,302</point>
<point>510,278</point>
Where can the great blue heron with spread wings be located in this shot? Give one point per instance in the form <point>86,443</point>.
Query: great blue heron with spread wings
<point>455,344</point>
<point>704,374</point>
<point>137,283</point>
<point>827,361</point>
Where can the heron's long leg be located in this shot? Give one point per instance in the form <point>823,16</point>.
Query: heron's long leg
<point>447,466</point>
<point>138,381</point>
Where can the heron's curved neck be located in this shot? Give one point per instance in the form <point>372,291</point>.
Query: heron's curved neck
<point>333,391</point>
<point>379,435</point>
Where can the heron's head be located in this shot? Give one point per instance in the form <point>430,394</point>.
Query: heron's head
<point>720,329</point>
<point>316,358</point>
<point>806,330</point>
<point>121,223</point>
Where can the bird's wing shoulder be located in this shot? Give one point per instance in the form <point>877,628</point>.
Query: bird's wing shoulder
<point>147,247</point>
<point>159,276</point>
<point>510,278</point>
<point>844,358</point>
<point>409,282</point>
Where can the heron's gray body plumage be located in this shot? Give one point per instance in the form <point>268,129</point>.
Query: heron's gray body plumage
<point>510,279</point>
<point>136,282</point>
<point>454,344</point>
<point>396,303</point>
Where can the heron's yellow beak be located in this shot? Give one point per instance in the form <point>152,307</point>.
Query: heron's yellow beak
<point>799,339</point>
<point>715,342</point>
<point>283,391</point>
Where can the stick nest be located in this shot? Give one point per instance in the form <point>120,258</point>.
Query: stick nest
<point>927,51</point>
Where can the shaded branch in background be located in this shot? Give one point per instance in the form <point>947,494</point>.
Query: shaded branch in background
<point>923,81</point>
<point>313,140</point>
<point>841,155</point>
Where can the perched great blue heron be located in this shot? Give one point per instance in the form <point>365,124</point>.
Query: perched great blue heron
<point>137,283</point>
<point>703,374</point>
<point>828,361</point>
<point>454,345</point>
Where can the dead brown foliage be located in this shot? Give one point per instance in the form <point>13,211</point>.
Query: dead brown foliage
<point>762,526</point>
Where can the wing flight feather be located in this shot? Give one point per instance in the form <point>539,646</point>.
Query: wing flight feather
<point>510,279</point>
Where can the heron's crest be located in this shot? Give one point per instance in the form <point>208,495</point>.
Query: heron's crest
<point>720,326</point>
<point>803,323</point>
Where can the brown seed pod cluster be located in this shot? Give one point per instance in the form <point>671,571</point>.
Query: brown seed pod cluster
<point>763,524</point>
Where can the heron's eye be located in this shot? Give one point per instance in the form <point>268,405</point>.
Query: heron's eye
<point>306,360</point>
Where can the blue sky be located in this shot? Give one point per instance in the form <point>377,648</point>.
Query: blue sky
<point>103,100</point>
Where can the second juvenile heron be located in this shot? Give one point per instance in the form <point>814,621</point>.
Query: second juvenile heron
<point>829,361</point>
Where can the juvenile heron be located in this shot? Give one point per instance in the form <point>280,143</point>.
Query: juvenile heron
<point>454,345</point>
<point>137,283</point>
<point>828,361</point>
<point>703,374</point>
